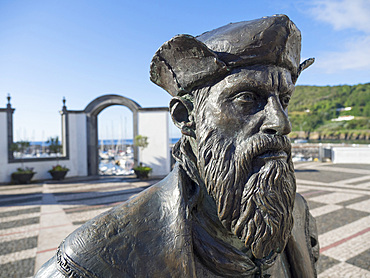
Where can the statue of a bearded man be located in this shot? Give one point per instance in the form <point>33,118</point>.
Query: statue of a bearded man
<point>229,208</point>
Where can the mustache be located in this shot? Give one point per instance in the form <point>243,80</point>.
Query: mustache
<point>214,146</point>
<point>249,150</point>
<point>259,144</point>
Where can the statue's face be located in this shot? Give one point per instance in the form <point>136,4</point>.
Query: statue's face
<point>251,101</point>
<point>245,156</point>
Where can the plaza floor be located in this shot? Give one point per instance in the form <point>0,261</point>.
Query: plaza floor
<point>35,218</point>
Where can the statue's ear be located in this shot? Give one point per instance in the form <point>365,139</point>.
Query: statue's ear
<point>181,112</point>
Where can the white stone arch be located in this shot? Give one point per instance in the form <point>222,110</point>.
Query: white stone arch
<point>92,111</point>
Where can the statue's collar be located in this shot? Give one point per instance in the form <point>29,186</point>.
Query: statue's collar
<point>219,256</point>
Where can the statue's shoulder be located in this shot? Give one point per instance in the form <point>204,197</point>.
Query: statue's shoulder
<point>95,248</point>
<point>300,210</point>
<point>134,239</point>
<point>115,237</point>
<point>303,246</point>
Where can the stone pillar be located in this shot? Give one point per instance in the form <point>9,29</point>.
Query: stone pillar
<point>65,130</point>
<point>92,144</point>
<point>9,115</point>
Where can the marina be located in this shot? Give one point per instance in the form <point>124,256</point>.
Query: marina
<point>116,156</point>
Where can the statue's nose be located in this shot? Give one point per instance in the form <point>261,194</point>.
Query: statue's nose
<point>276,121</point>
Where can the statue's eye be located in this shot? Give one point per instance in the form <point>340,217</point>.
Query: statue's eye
<point>285,100</point>
<point>246,97</point>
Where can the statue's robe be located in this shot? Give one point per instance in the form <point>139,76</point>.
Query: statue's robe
<point>150,235</point>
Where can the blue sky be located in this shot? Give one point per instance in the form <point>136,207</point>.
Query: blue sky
<point>82,49</point>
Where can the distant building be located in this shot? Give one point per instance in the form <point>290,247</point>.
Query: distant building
<point>343,118</point>
<point>344,109</point>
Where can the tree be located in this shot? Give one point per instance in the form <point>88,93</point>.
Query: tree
<point>54,146</point>
<point>21,147</point>
<point>141,171</point>
<point>141,141</point>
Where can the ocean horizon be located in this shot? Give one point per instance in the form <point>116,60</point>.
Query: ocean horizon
<point>106,142</point>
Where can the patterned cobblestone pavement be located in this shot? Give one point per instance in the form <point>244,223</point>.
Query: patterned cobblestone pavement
<point>35,218</point>
<point>339,198</point>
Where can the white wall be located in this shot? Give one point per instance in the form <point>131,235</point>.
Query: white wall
<point>3,147</point>
<point>154,125</point>
<point>351,155</point>
<point>40,167</point>
<point>7,168</point>
<point>77,162</point>
<point>77,144</point>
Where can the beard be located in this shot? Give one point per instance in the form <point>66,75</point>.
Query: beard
<point>254,202</point>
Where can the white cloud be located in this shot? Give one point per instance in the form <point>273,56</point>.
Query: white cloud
<point>343,14</point>
<point>355,56</point>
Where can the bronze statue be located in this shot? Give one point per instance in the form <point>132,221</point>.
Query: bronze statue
<point>229,208</point>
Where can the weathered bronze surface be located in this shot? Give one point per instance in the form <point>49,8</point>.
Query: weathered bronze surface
<point>229,208</point>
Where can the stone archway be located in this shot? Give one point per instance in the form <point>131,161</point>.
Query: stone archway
<point>92,111</point>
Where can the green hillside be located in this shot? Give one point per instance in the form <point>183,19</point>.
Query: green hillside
<point>312,109</point>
